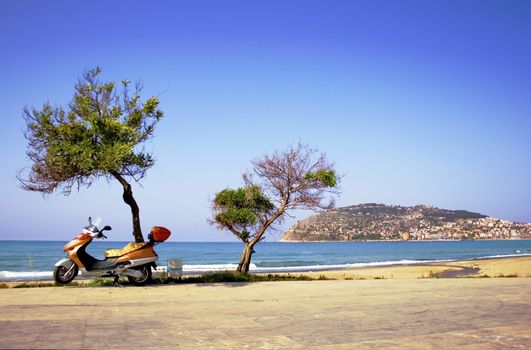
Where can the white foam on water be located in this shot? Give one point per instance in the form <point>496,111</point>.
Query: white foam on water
<point>195,269</point>
<point>11,275</point>
<point>501,256</point>
<point>341,266</point>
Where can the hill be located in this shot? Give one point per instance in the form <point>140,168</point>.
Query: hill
<point>372,221</point>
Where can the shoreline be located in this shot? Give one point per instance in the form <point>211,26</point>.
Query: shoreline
<point>492,267</point>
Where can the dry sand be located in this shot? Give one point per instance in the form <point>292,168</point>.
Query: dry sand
<point>410,313</point>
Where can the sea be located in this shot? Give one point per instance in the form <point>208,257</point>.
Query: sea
<point>30,260</point>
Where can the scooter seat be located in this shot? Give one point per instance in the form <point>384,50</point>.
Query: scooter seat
<point>115,253</point>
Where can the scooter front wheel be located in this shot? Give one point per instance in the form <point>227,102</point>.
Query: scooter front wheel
<point>146,275</point>
<point>65,275</point>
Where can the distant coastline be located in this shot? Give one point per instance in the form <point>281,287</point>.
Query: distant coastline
<point>410,240</point>
<point>380,222</point>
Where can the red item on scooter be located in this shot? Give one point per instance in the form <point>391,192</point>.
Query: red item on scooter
<point>159,234</point>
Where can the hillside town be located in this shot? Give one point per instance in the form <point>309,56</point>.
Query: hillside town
<point>389,222</point>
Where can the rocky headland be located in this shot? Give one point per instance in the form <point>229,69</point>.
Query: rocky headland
<point>391,222</point>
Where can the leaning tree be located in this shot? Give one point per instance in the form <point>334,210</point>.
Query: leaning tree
<point>97,135</point>
<point>296,178</point>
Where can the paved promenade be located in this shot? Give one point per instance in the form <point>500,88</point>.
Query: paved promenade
<point>384,314</point>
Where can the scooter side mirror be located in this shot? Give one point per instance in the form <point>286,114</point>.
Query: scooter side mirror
<point>106,228</point>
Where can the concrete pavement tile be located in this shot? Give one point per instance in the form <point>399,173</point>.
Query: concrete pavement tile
<point>411,314</point>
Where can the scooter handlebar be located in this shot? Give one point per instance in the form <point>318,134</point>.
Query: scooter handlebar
<point>101,235</point>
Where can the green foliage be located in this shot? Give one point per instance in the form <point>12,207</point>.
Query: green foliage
<point>218,277</point>
<point>327,177</point>
<point>237,217</point>
<point>231,276</point>
<point>250,197</point>
<point>96,134</point>
<point>239,209</point>
<point>323,278</point>
<point>39,284</point>
<point>106,282</point>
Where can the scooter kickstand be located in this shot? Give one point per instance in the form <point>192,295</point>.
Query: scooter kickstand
<point>115,283</point>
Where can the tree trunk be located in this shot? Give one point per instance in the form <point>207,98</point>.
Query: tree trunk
<point>135,211</point>
<point>245,259</point>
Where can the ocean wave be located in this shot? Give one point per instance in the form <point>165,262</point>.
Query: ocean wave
<point>307,268</point>
<point>187,269</point>
<point>12,275</point>
<point>501,256</point>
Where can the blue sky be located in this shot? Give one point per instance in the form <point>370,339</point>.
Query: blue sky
<point>417,102</point>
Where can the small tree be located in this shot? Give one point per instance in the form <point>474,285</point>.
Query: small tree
<point>297,178</point>
<point>97,135</point>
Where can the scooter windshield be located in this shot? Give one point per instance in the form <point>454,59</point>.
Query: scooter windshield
<point>94,224</point>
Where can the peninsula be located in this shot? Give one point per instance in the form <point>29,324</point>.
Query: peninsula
<point>373,221</point>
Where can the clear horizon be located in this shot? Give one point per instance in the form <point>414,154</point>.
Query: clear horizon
<point>415,102</point>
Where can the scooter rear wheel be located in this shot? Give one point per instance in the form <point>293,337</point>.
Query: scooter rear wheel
<point>62,276</point>
<point>145,278</point>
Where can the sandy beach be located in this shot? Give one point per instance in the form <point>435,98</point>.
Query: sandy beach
<point>496,267</point>
<point>405,312</point>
